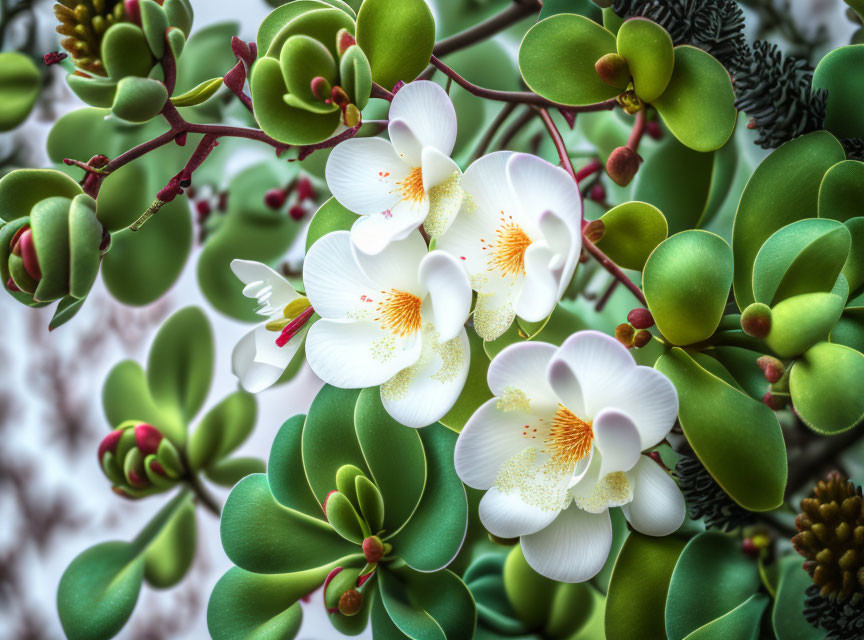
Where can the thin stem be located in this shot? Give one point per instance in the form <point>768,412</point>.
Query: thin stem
<point>203,496</point>
<point>601,303</point>
<point>493,128</point>
<point>589,170</point>
<point>558,141</point>
<point>614,269</point>
<point>638,131</point>
<point>380,92</point>
<point>515,127</point>
<point>511,15</point>
<point>521,97</point>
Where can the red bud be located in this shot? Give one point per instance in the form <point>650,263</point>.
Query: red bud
<point>597,193</point>
<point>297,212</point>
<point>305,190</point>
<point>27,250</point>
<point>321,89</point>
<point>11,286</point>
<point>772,368</point>
<point>640,318</point>
<point>613,70</point>
<point>594,230</point>
<point>350,602</point>
<point>775,402</point>
<point>373,549</point>
<point>275,198</point>
<point>642,338</point>
<point>652,128</point>
<point>756,320</point>
<point>109,443</point>
<point>338,96</point>
<point>344,41</point>
<point>133,11</point>
<point>750,548</point>
<point>624,334</point>
<point>157,467</point>
<point>622,165</point>
<point>147,437</point>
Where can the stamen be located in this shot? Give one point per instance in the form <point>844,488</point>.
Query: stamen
<point>293,327</point>
<point>507,253</point>
<point>411,187</point>
<point>569,438</point>
<point>400,312</point>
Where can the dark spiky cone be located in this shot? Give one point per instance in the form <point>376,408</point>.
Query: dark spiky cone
<point>84,22</point>
<point>776,94</point>
<point>715,26</point>
<point>831,539</point>
<point>706,500</point>
<point>854,148</point>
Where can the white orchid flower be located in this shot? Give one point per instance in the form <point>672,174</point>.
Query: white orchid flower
<point>263,354</point>
<point>398,185</point>
<point>394,319</point>
<point>518,234</point>
<point>561,443</point>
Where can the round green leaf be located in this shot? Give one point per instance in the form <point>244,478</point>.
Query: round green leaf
<point>842,191</point>
<point>527,591</point>
<point>712,577</point>
<point>20,190</point>
<point>171,553</point>
<point>636,602</point>
<point>686,282</point>
<point>180,363</point>
<point>125,52</point>
<point>800,322</point>
<point>49,221</point>
<point>827,388</point>
<point>742,622</point>
<point>85,238</point>
<point>698,105</point>
<point>737,438</point>
<point>397,37</point>
<point>123,196</point>
<point>126,396</point>
<point>433,536</point>
<point>399,469</point>
<point>633,231</point>
<point>98,591</point>
<point>285,470</point>
<point>853,270</point>
<point>783,189</point>
<point>225,427</point>
<point>20,83</point>
<point>139,99</point>
<point>260,535</point>
<point>841,74</point>
<point>557,56</point>
<point>648,50</point>
<point>331,216</point>
<point>788,617</point>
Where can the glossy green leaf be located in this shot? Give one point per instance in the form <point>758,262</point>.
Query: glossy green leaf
<point>49,222</point>
<point>742,622</point>
<point>827,388</point>
<point>686,282</point>
<point>139,99</point>
<point>528,592</point>
<point>119,194</point>
<point>557,58</point>
<point>343,517</point>
<point>853,270</point>
<point>260,535</point>
<point>841,74</point>
<point>842,191</point>
<point>698,104</point>
<point>85,238</point>
<point>712,577</point>
<point>788,616</point>
<point>20,84</point>
<point>169,556</point>
<point>633,231</point>
<point>476,390</point>
<point>371,502</point>
<point>125,52</point>
<point>397,37</point>
<point>737,438</point>
<point>302,59</point>
<point>647,47</point>
<point>65,311</point>
<point>783,189</point>
<point>225,427</point>
<point>394,455</point>
<point>180,363</point>
<point>285,470</point>
<point>331,216</point>
<point>636,602</point>
<point>201,93</point>
<point>433,536</point>
<point>126,396</point>
<point>800,322</point>
<point>329,440</point>
<point>20,190</point>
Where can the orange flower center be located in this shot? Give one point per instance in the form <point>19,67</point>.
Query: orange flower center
<point>411,187</point>
<point>399,312</point>
<point>508,251</point>
<point>569,437</point>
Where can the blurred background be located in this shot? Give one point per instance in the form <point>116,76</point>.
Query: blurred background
<point>54,500</point>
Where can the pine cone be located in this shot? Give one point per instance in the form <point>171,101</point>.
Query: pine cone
<point>706,499</point>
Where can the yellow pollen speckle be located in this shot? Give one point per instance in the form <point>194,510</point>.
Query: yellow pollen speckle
<point>507,251</point>
<point>570,437</point>
<point>411,188</point>
<point>383,350</point>
<point>452,361</point>
<point>444,201</point>
<point>543,487</point>
<point>399,312</point>
<point>513,400</point>
<point>612,491</point>
<point>491,321</point>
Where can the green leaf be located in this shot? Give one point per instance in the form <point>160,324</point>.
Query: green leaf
<point>154,23</point>
<point>698,105</point>
<point>225,427</point>
<point>260,535</point>
<point>841,73</point>
<point>842,191</point>
<point>686,282</point>
<point>169,556</point>
<point>394,455</point>
<point>139,99</point>
<point>285,470</point>
<point>636,602</point>
<point>65,311</point>
<point>783,189</point>
<point>329,440</point>
<point>433,536</point>
<point>180,363</point>
<point>20,84</point>
<point>129,184</point>
<point>22,189</point>
<point>529,593</point>
<point>343,517</point>
<point>126,396</point>
<point>331,216</point>
<point>476,390</point>
<point>557,58</point>
<point>397,37</point>
<point>98,591</point>
<point>737,438</point>
<point>827,388</point>
<point>853,270</point>
<point>371,502</point>
<point>788,617</point>
<point>633,231</point>
<point>202,93</point>
<point>229,471</point>
<point>428,605</point>
<point>125,52</point>
<point>800,322</point>
<point>49,221</point>
<point>85,238</point>
<point>712,577</point>
<point>742,622</point>
<point>647,48</point>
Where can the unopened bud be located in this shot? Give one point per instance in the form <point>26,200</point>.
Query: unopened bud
<point>321,88</point>
<point>351,116</point>
<point>775,402</point>
<point>652,128</point>
<point>296,212</point>
<point>339,97</point>
<point>622,165</point>
<point>613,70</point>
<point>640,318</point>
<point>55,57</point>
<point>133,11</point>
<point>642,338</point>
<point>344,40</point>
<point>338,583</point>
<point>326,498</point>
<point>594,231</point>
<point>749,547</point>
<point>203,208</point>
<point>373,549</point>
<point>771,367</point>
<point>275,198</point>
<point>624,334</point>
<point>597,192</point>
<point>756,320</point>
<point>26,249</point>
<point>147,437</point>
<point>109,443</point>
<point>305,190</point>
<point>350,602</point>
